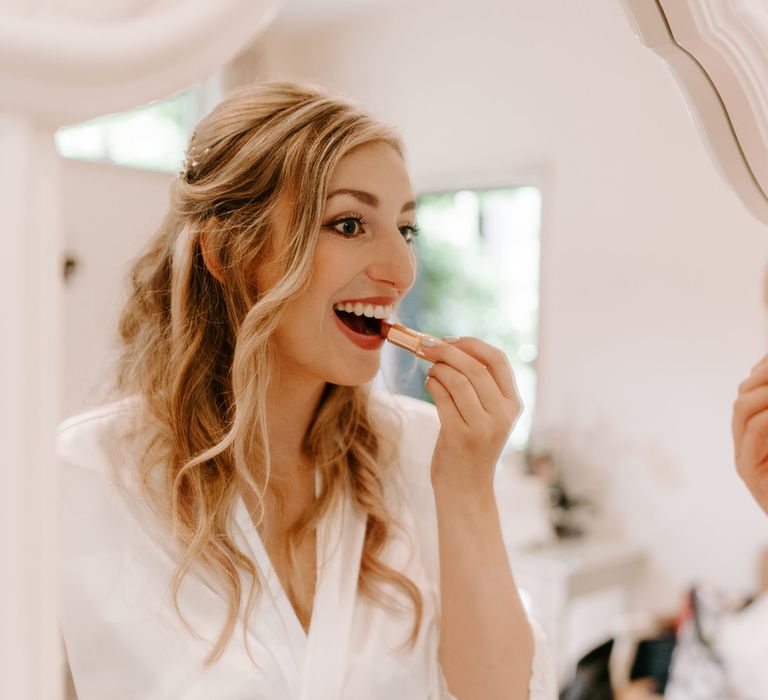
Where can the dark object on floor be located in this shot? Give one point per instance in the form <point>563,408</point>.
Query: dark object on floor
<point>653,659</point>
<point>592,680</point>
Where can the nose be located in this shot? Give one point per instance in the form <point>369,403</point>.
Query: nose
<point>393,261</point>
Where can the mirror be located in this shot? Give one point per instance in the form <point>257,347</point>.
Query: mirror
<point>718,52</point>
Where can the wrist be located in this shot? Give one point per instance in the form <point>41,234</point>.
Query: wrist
<point>479,500</point>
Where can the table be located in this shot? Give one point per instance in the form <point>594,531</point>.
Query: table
<point>553,575</point>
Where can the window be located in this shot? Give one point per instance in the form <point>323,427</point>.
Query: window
<point>478,257</point>
<point>152,137</point>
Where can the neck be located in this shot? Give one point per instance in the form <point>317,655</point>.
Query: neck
<point>291,404</point>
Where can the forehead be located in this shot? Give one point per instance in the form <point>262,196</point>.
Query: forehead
<point>375,167</point>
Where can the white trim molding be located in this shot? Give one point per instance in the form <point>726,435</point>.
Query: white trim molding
<point>717,51</point>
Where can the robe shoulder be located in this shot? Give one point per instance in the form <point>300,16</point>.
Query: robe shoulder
<point>90,439</point>
<point>414,426</point>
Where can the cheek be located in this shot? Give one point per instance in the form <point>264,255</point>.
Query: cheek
<point>309,314</point>
<point>334,268</point>
<point>307,320</point>
<point>303,316</point>
<point>414,265</point>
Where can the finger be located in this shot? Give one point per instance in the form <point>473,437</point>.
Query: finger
<point>758,377</point>
<point>753,448</point>
<point>745,407</point>
<point>762,362</point>
<point>447,410</point>
<point>474,370</point>
<point>462,392</point>
<point>494,359</point>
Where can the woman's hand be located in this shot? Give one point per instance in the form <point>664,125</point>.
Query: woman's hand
<point>477,401</point>
<point>750,432</point>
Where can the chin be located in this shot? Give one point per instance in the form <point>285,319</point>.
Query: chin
<point>355,378</point>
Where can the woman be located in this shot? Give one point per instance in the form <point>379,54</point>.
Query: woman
<point>249,520</point>
<point>750,432</point>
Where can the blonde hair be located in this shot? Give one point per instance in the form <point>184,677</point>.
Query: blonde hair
<point>199,351</point>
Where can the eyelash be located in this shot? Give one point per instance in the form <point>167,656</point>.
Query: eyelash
<point>413,230</point>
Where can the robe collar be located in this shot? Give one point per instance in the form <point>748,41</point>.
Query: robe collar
<point>320,656</point>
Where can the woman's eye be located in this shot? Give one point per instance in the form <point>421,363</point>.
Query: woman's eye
<point>349,226</point>
<point>409,233</point>
<point>354,226</point>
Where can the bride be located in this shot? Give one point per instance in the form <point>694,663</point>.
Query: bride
<point>248,519</point>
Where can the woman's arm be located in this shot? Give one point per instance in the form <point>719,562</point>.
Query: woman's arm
<point>486,644</point>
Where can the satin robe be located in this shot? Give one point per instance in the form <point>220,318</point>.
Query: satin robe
<point>124,639</point>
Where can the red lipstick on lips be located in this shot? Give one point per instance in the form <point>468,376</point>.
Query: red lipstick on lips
<point>370,334</point>
<point>381,301</point>
<point>363,331</point>
<point>364,341</point>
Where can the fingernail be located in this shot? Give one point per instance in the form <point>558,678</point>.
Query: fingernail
<point>429,341</point>
<point>450,339</point>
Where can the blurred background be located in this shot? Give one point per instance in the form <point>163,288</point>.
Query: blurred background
<point>570,214</point>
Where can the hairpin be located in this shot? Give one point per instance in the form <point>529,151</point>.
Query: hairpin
<point>191,159</point>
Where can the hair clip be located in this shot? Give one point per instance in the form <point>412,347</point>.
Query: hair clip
<point>191,159</point>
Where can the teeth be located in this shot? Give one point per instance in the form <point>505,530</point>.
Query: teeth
<point>369,310</point>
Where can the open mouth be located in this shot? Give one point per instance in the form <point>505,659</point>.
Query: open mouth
<point>364,325</point>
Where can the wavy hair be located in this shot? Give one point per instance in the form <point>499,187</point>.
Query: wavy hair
<point>198,349</point>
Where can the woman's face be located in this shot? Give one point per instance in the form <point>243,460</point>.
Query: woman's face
<point>364,258</point>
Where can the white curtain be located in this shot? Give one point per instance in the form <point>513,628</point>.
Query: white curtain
<point>63,61</point>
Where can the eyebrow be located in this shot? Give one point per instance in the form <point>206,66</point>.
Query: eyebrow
<point>369,199</point>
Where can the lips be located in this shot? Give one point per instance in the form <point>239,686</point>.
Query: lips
<point>363,325</point>
<point>363,340</point>
<point>360,319</point>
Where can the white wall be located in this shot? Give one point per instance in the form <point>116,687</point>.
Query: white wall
<point>652,305</point>
<point>109,212</point>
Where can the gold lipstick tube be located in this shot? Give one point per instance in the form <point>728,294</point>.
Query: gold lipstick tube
<point>404,337</point>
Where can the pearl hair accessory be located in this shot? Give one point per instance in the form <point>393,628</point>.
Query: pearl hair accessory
<point>192,158</point>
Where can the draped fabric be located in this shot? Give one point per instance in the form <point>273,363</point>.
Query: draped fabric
<point>64,61</point>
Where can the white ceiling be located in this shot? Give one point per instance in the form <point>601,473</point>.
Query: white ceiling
<point>292,12</point>
<point>87,10</point>
<point>308,12</point>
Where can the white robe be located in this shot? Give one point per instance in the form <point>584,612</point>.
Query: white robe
<point>124,639</point>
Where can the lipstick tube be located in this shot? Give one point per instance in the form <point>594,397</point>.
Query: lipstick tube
<point>404,337</point>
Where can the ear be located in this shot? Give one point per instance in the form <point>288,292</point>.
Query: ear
<point>210,259</point>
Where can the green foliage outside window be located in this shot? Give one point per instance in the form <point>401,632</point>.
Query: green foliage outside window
<point>478,257</point>
<point>459,296</point>
<point>153,137</point>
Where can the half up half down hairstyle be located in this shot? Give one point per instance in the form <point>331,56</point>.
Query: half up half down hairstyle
<point>197,349</point>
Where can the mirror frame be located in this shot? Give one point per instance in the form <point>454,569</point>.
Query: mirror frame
<point>717,50</point>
